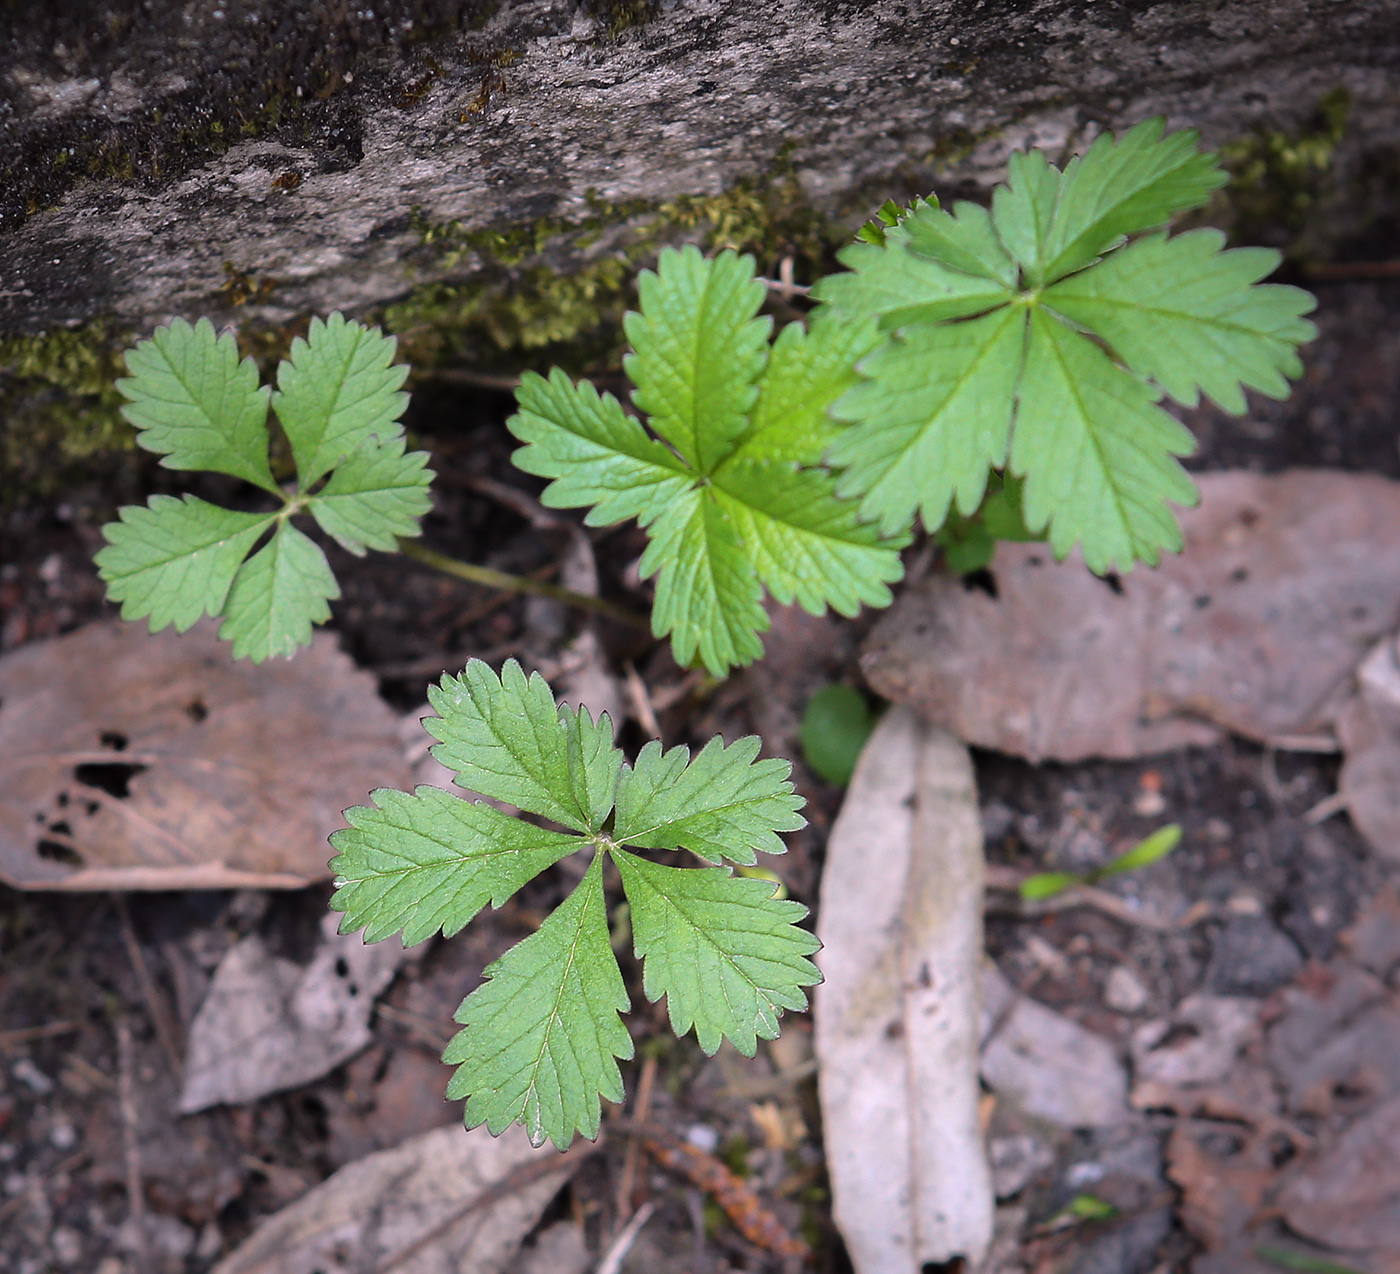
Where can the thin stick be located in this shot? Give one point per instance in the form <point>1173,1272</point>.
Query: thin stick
<point>135,1190</point>
<point>155,1001</point>
<point>640,697</point>
<point>23,1034</point>
<point>641,1108</point>
<point>524,1176</point>
<point>617,1253</point>
<point>489,578</point>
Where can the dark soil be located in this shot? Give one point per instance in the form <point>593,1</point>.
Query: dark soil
<point>1280,890</point>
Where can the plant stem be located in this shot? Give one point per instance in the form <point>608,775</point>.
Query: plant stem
<point>506,582</point>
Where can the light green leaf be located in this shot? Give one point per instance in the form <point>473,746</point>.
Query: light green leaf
<point>1193,317</point>
<point>276,596</point>
<point>173,560</point>
<point>195,403</point>
<point>725,803</point>
<point>431,861</point>
<point>507,739</point>
<point>1125,186</point>
<point>594,451</point>
<point>1023,208</point>
<point>964,239</point>
<point>806,545</point>
<point>375,495</point>
<point>541,1033</point>
<point>899,286</point>
<point>808,370</point>
<point>1048,884</point>
<point>727,955</point>
<point>1096,453</point>
<point>835,725</point>
<point>932,419</point>
<point>1147,851</point>
<point>707,595</point>
<point>699,350</point>
<point>339,389</point>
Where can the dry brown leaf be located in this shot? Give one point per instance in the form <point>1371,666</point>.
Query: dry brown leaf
<point>446,1201</point>
<point>1257,627</point>
<point>1369,727</point>
<point>138,761</point>
<point>897,1019</point>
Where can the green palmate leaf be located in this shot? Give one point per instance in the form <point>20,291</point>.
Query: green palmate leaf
<point>542,1033</point>
<point>899,286</point>
<point>277,595</point>
<point>375,495</point>
<point>596,453</point>
<point>725,803</point>
<point>934,418</point>
<point>727,955</point>
<point>806,545</point>
<point>174,560</point>
<point>1097,453</point>
<point>742,506</point>
<point>808,370</point>
<point>339,390</point>
<point>431,861</point>
<point>1188,315</point>
<point>1059,387</point>
<point>1125,186</point>
<point>699,351</point>
<point>196,404</point>
<point>507,739</point>
<point>707,593</point>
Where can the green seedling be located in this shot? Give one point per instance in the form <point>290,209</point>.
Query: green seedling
<point>835,726</point>
<point>541,1036</point>
<point>1288,1259</point>
<point>338,399</point>
<point>1047,884</point>
<point>1037,338</point>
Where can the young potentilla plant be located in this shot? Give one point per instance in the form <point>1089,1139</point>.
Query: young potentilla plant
<point>1037,338</point>
<point>541,1036</point>
<point>338,400</point>
<point>731,490</point>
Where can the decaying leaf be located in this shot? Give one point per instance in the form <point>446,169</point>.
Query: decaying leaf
<point>1256,627</point>
<point>268,1024</point>
<point>897,1017</point>
<point>446,1201</point>
<point>1370,731</point>
<point>133,761</point>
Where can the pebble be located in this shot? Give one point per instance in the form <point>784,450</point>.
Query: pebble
<point>63,1137</point>
<point>702,1137</point>
<point>1124,992</point>
<point>1015,1160</point>
<point>32,1077</point>
<point>67,1246</point>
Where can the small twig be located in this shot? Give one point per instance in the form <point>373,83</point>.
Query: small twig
<point>489,578</point>
<point>420,1026</point>
<point>131,1145</point>
<point>1008,880</point>
<point>641,1109</point>
<point>16,1202</point>
<point>23,1034</point>
<point>640,699</point>
<point>1338,271</point>
<point>1337,803</point>
<point>617,1253</point>
<point>513,1183</point>
<point>478,380</point>
<point>155,1002</point>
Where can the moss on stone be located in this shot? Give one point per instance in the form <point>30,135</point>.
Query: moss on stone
<point>61,409</point>
<point>1281,182</point>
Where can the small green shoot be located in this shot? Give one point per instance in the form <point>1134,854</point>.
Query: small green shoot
<point>541,1036</point>
<point>195,403</point>
<point>1089,1207</point>
<point>1037,338</point>
<point>1047,884</point>
<point>1288,1259</point>
<point>730,489</point>
<point>835,726</point>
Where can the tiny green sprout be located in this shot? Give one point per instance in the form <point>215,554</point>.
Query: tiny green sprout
<point>1089,1207</point>
<point>1288,1259</point>
<point>196,404</point>
<point>1150,849</point>
<point>835,726</point>
<point>541,1036</point>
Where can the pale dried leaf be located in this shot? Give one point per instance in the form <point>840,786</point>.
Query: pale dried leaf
<point>268,1024</point>
<point>1369,727</point>
<point>1256,627</point>
<point>374,1209</point>
<point>1049,1065</point>
<point>235,774</point>
<point>896,1018</point>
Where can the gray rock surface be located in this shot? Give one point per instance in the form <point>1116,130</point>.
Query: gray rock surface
<point>341,127</point>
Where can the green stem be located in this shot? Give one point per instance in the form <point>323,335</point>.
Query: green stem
<point>508,583</point>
